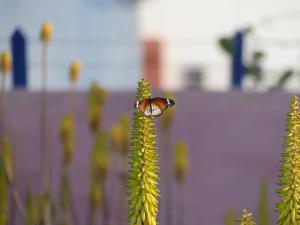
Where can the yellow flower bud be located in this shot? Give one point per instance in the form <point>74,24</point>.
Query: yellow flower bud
<point>181,162</point>
<point>46,32</point>
<point>75,69</point>
<point>5,62</point>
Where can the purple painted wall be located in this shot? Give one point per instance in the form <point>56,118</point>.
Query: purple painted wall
<point>234,139</point>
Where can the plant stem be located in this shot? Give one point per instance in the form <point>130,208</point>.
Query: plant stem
<point>168,175</point>
<point>17,201</point>
<point>73,208</point>
<point>73,111</point>
<point>46,155</point>
<point>91,215</point>
<point>15,194</point>
<point>73,97</point>
<point>180,204</point>
<point>106,213</point>
<point>3,104</point>
<point>121,192</point>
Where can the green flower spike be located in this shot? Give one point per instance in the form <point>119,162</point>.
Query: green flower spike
<point>143,174</point>
<point>289,172</point>
<point>246,218</point>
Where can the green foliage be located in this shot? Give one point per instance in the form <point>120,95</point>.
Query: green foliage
<point>284,77</point>
<point>263,205</point>
<point>181,161</point>
<point>289,172</point>
<point>96,99</point>
<point>67,138</point>
<point>143,174</point>
<point>99,167</point>
<point>226,45</point>
<point>229,218</point>
<point>246,218</point>
<point>31,214</point>
<point>254,67</point>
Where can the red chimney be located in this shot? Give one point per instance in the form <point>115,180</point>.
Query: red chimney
<point>152,62</point>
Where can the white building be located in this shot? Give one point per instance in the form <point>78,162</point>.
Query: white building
<point>190,29</point>
<point>105,35</point>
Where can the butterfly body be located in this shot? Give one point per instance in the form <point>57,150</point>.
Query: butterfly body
<point>153,106</point>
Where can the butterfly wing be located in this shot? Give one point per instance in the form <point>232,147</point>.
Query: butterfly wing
<point>158,106</point>
<point>143,106</point>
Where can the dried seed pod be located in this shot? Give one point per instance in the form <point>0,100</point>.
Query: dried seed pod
<point>75,70</point>
<point>5,62</point>
<point>181,161</point>
<point>46,32</point>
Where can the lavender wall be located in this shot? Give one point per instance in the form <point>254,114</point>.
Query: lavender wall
<point>234,139</point>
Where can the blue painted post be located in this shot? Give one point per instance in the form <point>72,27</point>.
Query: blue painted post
<point>18,44</point>
<point>238,69</point>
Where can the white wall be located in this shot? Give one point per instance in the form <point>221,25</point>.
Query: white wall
<point>190,30</point>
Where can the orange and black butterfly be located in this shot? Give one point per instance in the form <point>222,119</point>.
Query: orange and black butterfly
<point>153,106</point>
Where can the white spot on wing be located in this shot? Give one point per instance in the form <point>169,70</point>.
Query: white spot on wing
<point>147,111</point>
<point>168,102</point>
<point>156,111</point>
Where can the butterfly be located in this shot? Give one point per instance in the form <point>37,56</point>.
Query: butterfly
<point>153,106</point>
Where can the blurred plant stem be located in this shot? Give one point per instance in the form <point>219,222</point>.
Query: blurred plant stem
<point>7,164</point>
<point>3,103</point>
<point>229,218</point>
<point>4,203</point>
<point>166,122</point>
<point>6,155</point>
<point>31,215</point>
<point>180,204</point>
<point>44,124</point>
<point>74,73</point>
<point>67,137</point>
<point>121,192</point>
<point>168,178</point>
<point>73,97</point>
<point>180,166</point>
<point>5,68</point>
<point>98,173</point>
<point>263,205</point>
<point>46,156</point>
<point>120,145</point>
<point>99,166</point>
